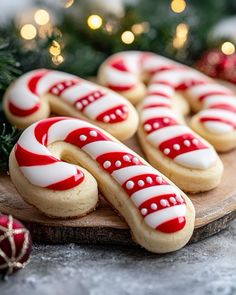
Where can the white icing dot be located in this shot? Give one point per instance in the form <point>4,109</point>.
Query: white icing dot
<point>55,90</point>
<point>164,203</point>
<point>179,199</point>
<point>118,163</point>
<point>176,147</point>
<point>135,160</point>
<point>107,164</point>
<point>118,112</point>
<point>144,211</point>
<point>60,86</point>
<point>166,151</point>
<point>96,94</point>
<point>147,127</point>
<point>126,158</point>
<point>129,184</point>
<point>79,105</point>
<point>187,142</point>
<point>195,141</point>
<point>106,119</point>
<point>159,179</point>
<point>166,120</point>
<point>93,133</point>
<point>141,183</point>
<point>149,179</point>
<point>113,116</point>
<point>156,125</point>
<point>84,102</point>
<point>91,98</point>
<point>83,137</point>
<point>172,200</point>
<point>154,206</point>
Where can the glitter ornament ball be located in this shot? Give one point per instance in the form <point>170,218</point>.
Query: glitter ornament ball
<point>15,245</point>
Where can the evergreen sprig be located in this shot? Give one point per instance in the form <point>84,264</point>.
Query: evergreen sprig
<point>8,137</point>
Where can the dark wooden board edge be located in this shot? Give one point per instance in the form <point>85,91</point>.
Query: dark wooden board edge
<point>111,236</point>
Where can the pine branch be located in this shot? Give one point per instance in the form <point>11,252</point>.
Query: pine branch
<point>8,137</point>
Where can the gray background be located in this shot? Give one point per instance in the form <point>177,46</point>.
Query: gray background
<point>207,267</point>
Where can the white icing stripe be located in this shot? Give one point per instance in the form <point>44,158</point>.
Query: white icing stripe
<point>176,76</point>
<point>166,133</point>
<point>153,191</point>
<point>73,93</point>
<point>47,173</point>
<point>95,149</point>
<point>132,61</point>
<point>165,89</point>
<point>198,159</point>
<point>195,92</point>
<point>117,78</point>
<point>156,113</point>
<point>218,127</point>
<point>157,218</point>
<point>152,99</point>
<point>155,62</point>
<point>28,141</point>
<point>219,99</point>
<point>51,78</point>
<point>99,106</point>
<point>60,130</point>
<point>218,113</point>
<point>126,173</point>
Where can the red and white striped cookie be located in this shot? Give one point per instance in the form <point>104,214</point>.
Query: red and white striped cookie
<point>35,94</point>
<point>160,216</point>
<point>169,144</point>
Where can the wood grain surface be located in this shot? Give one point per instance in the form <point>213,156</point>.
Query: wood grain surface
<point>214,210</point>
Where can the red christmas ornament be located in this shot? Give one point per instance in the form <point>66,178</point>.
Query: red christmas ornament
<point>216,64</point>
<point>15,245</point>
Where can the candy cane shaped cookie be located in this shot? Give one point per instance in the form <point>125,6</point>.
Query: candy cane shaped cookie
<point>169,144</point>
<point>160,216</point>
<point>35,94</point>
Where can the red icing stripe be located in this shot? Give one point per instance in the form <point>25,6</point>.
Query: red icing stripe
<point>216,119</point>
<point>172,225</point>
<point>113,116</point>
<point>157,201</point>
<point>32,83</point>
<point>160,93</point>
<point>223,106</point>
<point>119,65</point>
<point>145,182</point>
<point>68,183</point>
<point>42,127</point>
<point>157,105</point>
<point>22,112</point>
<point>58,87</point>
<point>82,102</point>
<point>217,92</point>
<point>158,123</point>
<point>27,158</point>
<point>179,141</point>
<point>120,88</point>
<point>115,160</point>
<point>82,136</point>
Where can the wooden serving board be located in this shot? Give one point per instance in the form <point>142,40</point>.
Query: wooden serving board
<point>214,211</point>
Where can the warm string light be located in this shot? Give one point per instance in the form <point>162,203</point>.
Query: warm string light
<point>94,21</point>
<point>140,28</point>
<point>127,37</point>
<point>228,48</point>
<point>181,35</point>
<point>178,6</point>
<point>41,17</point>
<point>28,32</point>
<point>55,51</point>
